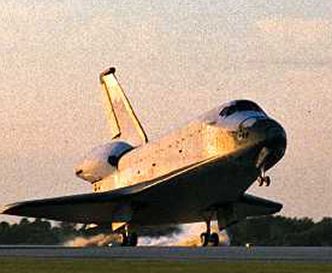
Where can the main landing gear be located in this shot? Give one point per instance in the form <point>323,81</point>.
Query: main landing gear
<point>129,239</point>
<point>208,238</point>
<point>263,179</point>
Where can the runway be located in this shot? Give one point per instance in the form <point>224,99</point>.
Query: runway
<point>264,254</point>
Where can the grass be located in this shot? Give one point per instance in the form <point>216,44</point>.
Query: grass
<point>27,265</point>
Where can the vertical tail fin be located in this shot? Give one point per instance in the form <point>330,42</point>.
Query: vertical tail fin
<point>123,121</point>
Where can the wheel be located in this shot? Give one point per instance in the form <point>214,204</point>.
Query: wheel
<point>129,240</point>
<point>267,181</point>
<point>260,181</point>
<point>132,240</point>
<point>214,239</point>
<point>205,239</point>
<point>125,240</point>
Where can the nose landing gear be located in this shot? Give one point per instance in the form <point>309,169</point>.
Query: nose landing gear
<point>263,156</point>
<point>263,179</point>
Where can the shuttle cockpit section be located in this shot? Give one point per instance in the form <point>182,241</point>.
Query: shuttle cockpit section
<point>240,106</point>
<point>231,115</point>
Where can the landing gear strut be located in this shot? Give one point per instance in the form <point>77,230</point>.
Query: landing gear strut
<point>129,239</point>
<point>263,179</point>
<point>208,238</point>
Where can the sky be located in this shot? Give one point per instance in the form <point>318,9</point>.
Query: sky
<point>176,60</point>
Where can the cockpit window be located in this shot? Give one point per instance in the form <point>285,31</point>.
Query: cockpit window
<point>240,106</point>
<point>228,110</point>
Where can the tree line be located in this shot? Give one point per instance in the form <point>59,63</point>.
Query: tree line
<point>43,232</point>
<point>282,231</point>
<point>265,231</point>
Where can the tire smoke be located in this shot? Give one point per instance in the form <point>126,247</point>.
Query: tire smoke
<point>188,236</point>
<point>94,241</point>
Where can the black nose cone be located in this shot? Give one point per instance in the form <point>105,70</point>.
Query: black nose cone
<point>273,138</point>
<point>276,137</point>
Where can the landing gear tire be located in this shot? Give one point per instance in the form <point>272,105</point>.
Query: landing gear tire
<point>129,240</point>
<point>260,181</point>
<point>267,181</point>
<point>124,240</point>
<point>205,239</point>
<point>214,239</point>
<point>264,180</point>
<point>133,239</point>
<point>208,239</point>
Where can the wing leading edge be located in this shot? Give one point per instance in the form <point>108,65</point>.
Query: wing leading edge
<point>101,208</point>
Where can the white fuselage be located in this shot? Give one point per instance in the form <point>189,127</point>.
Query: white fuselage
<point>211,137</point>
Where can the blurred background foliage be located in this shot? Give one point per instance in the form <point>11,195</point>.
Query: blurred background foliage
<point>265,231</point>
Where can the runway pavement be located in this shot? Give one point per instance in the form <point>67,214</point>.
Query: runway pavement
<point>267,254</point>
